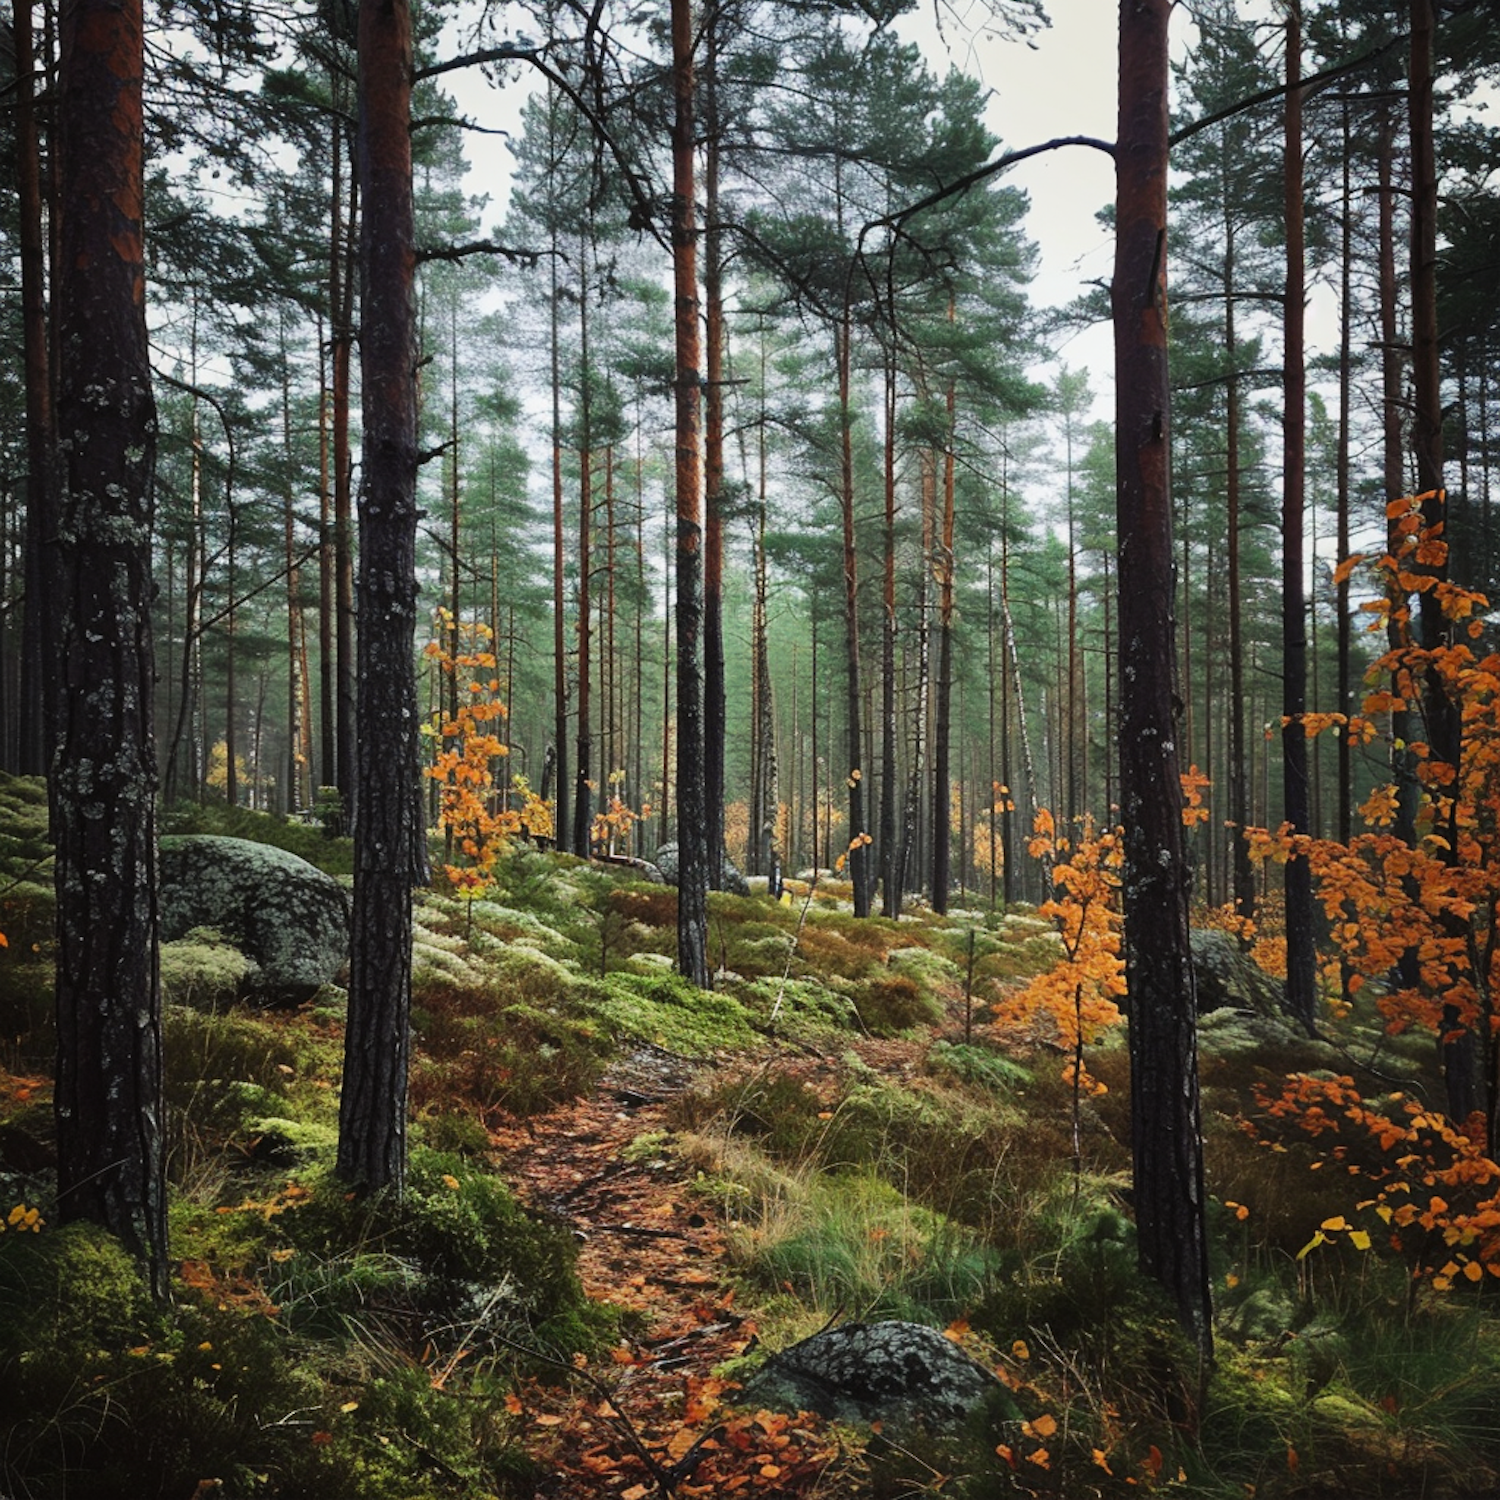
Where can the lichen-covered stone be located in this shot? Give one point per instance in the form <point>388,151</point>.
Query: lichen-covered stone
<point>286,915</point>
<point>861,1372</point>
<point>1227,977</point>
<point>730,878</point>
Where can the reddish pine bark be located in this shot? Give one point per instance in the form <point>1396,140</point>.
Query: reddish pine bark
<point>389,842</point>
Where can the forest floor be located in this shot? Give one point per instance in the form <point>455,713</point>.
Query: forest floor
<point>624,1193</point>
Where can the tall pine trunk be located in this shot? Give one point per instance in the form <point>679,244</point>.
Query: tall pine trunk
<point>1301,953</point>
<point>692,830</point>
<point>714,698</point>
<point>1166,1136</point>
<point>390,855</point>
<point>108,1102</point>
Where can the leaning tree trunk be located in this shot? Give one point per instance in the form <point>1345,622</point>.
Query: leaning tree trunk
<point>692,831</point>
<point>108,1094</point>
<point>390,854</point>
<point>1167,1141</point>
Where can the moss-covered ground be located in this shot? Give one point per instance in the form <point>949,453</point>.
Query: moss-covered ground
<point>624,1192</point>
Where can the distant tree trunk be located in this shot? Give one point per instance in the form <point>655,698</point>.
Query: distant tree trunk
<point>1243,869</point>
<point>911,833</point>
<point>562,827</point>
<point>584,743</point>
<point>942,834</point>
<point>38,647</point>
<point>328,772</point>
<point>890,771</point>
<point>1301,952</point>
<point>765,797</point>
<point>1345,690</point>
<point>859,859</point>
<point>714,699</point>
<point>108,1095</point>
<point>692,830</point>
<point>390,855</point>
<point>1166,1134</point>
<point>295,798</point>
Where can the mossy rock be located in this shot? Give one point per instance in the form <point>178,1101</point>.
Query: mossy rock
<point>279,910</point>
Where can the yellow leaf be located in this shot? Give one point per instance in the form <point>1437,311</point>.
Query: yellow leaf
<point>1044,1426</point>
<point>1474,1271</point>
<point>1338,1221</point>
<point>1359,1239</point>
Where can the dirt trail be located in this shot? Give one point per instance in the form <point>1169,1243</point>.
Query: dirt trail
<point>651,1420</point>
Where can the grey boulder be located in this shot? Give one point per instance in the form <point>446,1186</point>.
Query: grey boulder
<point>1226,977</point>
<point>286,915</point>
<point>860,1372</point>
<point>730,878</point>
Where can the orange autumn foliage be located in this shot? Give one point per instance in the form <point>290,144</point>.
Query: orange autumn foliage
<point>1428,908</point>
<point>477,817</point>
<point>1432,1193</point>
<point>1074,1001</point>
<point>1436,903</point>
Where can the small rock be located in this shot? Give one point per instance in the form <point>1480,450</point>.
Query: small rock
<point>860,1372</point>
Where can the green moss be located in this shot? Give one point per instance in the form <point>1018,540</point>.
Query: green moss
<point>978,1065</point>
<point>204,970</point>
<point>670,1012</point>
<point>891,1003</point>
<point>796,1006</point>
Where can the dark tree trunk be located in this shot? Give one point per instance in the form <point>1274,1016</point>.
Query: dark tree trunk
<point>108,1097</point>
<point>1301,952</point>
<point>37,644</point>
<point>390,854</point>
<point>1444,723</point>
<point>1166,1135</point>
<point>692,830</point>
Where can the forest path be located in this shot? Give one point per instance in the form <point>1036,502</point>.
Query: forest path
<point>649,1243</point>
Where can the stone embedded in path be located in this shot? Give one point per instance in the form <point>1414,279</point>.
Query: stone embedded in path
<point>276,908</point>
